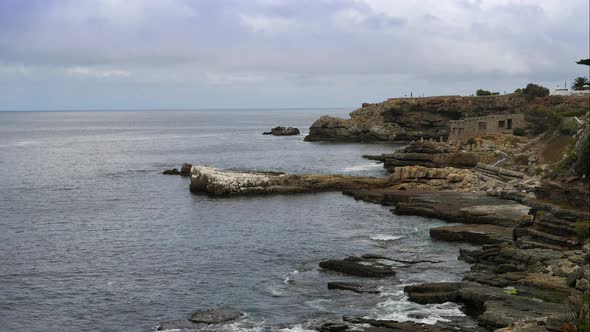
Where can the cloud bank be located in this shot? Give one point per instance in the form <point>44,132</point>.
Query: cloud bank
<point>109,54</point>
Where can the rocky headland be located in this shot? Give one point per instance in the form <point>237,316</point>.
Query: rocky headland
<point>528,212</point>
<point>407,119</point>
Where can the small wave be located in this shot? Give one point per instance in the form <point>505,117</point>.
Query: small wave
<point>319,304</point>
<point>289,277</point>
<point>366,167</point>
<point>385,237</point>
<point>275,290</point>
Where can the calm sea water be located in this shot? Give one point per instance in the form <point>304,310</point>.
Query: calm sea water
<point>94,238</point>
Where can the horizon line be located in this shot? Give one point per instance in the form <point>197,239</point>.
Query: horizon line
<point>173,109</point>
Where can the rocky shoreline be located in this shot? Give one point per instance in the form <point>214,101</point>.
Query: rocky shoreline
<point>532,271</point>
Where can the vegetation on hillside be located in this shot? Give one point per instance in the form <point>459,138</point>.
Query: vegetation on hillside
<point>481,92</point>
<point>531,91</point>
<point>541,119</point>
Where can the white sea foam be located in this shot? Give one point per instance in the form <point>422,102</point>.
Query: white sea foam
<point>276,290</point>
<point>385,237</point>
<point>296,328</point>
<point>402,310</point>
<point>289,277</point>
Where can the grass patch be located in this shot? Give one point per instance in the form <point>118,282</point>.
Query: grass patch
<point>582,230</point>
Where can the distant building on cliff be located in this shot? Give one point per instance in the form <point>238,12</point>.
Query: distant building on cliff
<point>461,130</point>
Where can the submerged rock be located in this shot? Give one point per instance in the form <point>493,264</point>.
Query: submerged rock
<point>282,131</point>
<point>215,316</point>
<point>357,288</point>
<point>358,266</point>
<point>185,170</point>
<point>173,171</point>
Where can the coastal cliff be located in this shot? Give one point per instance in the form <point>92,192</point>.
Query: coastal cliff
<point>406,119</point>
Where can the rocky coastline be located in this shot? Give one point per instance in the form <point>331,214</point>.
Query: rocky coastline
<point>532,269</point>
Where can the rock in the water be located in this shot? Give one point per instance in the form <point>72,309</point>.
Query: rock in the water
<point>215,316</point>
<point>359,266</point>
<point>282,131</point>
<point>357,288</point>
<point>173,171</point>
<point>334,327</point>
<point>218,182</point>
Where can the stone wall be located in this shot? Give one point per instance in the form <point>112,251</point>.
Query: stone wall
<point>461,130</point>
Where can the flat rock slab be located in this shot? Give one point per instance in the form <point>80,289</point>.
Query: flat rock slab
<point>468,208</point>
<point>217,182</point>
<point>477,234</point>
<point>358,266</point>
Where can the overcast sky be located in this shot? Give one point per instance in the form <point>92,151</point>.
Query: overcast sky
<point>154,54</point>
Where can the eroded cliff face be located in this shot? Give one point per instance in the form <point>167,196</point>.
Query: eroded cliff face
<point>405,119</point>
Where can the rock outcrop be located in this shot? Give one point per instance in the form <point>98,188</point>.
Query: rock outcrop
<point>282,131</point>
<point>427,154</point>
<point>469,208</point>
<point>216,182</point>
<point>432,179</point>
<point>359,266</point>
<point>406,119</point>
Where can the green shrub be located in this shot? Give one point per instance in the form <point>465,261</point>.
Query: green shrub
<point>519,132</point>
<point>578,315</point>
<point>568,127</point>
<point>582,230</point>
<point>481,92</point>
<point>533,90</point>
<point>541,119</point>
<point>568,112</point>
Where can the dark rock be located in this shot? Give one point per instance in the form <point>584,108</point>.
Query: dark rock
<point>359,267</point>
<point>282,131</point>
<point>185,170</point>
<point>215,316</point>
<point>334,327</point>
<point>357,288</point>
<point>173,171</point>
<point>574,276</point>
<point>373,325</point>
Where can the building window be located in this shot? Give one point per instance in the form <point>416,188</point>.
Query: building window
<point>501,124</point>
<point>483,126</point>
<point>509,124</point>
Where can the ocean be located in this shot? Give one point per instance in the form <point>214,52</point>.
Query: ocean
<point>94,238</point>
